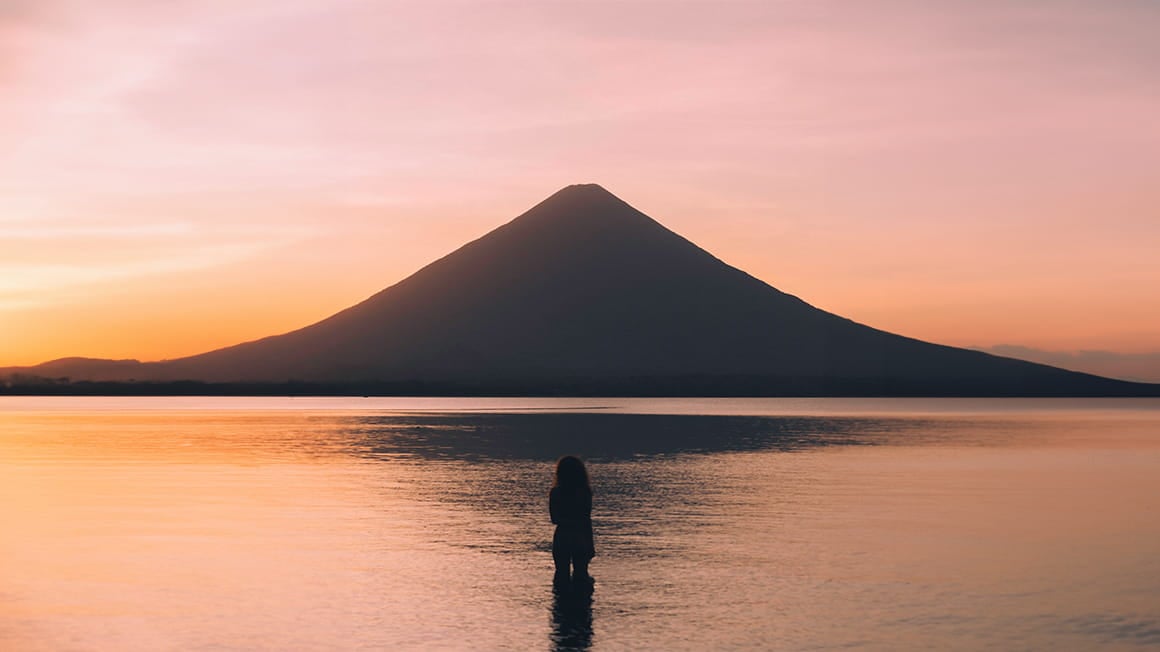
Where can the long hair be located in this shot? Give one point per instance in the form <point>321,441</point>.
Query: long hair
<point>571,474</point>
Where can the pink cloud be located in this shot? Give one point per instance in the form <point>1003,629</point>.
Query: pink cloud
<point>841,150</point>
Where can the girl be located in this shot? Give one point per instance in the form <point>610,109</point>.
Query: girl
<point>570,505</point>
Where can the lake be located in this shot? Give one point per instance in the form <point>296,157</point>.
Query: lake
<point>421,523</point>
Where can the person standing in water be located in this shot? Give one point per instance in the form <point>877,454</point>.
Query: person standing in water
<point>570,505</point>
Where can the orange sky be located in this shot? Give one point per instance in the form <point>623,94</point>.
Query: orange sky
<point>184,175</point>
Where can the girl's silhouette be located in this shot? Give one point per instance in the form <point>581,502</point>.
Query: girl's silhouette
<point>570,505</point>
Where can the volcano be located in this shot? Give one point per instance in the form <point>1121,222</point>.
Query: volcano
<point>585,294</point>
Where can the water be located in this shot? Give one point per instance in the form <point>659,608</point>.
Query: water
<point>806,524</point>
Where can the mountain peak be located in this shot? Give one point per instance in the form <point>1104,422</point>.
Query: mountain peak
<point>588,196</point>
<point>591,189</point>
<point>586,206</point>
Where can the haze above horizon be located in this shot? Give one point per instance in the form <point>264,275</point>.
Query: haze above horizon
<point>186,176</point>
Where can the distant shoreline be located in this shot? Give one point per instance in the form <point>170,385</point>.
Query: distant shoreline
<point>691,387</point>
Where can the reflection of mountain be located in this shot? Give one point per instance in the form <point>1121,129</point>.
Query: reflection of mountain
<point>607,437</point>
<point>585,294</point>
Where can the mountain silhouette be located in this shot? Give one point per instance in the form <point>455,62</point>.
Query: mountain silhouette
<point>585,292</point>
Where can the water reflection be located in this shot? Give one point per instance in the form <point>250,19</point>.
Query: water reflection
<point>571,620</point>
<point>497,467</point>
<point>309,530</point>
<point>476,437</point>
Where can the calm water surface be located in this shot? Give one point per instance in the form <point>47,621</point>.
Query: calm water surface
<point>319,524</point>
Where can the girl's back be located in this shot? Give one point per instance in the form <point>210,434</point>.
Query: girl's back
<point>570,505</point>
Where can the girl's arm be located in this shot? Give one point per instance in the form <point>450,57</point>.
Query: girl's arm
<point>553,506</point>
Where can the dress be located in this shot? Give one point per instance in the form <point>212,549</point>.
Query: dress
<point>571,511</point>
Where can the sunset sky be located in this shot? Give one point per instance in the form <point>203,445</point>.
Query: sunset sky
<point>183,175</point>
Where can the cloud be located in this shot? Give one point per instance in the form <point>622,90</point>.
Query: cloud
<point>57,232</point>
<point>1144,367</point>
<point>43,262</point>
<point>1003,137</point>
<point>28,279</point>
<point>276,95</point>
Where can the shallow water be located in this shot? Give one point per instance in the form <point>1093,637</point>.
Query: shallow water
<point>213,523</point>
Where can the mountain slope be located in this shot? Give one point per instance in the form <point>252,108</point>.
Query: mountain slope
<point>585,288</point>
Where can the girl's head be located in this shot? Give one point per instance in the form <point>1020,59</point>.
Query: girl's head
<point>570,472</point>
